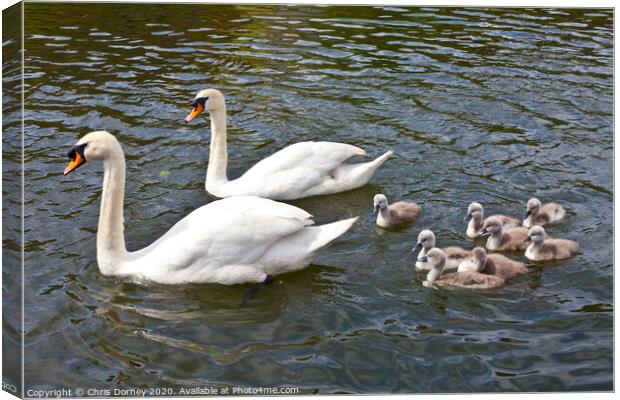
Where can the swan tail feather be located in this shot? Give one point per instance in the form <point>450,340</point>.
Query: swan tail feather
<point>374,165</point>
<point>296,251</point>
<point>326,234</point>
<point>356,175</point>
<point>383,158</point>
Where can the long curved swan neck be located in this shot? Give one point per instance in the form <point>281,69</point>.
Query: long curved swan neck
<point>110,236</point>
<point>218,156</point>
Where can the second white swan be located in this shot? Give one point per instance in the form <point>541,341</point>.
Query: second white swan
<point>300,170</point>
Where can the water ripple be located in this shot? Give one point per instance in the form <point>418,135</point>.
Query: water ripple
<point>489,105</point>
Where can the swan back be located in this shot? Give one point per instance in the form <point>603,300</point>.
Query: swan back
<point>504,267</point>
<point>404,212</point>
<point>471,280</point>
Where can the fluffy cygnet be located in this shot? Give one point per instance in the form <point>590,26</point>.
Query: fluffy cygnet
<point>426,241</point>
<point>492,264</point>
<point>469,279</point>
<point>539,214</point>
<point>399,213</point>
<point>475,215</point>
<point>501,239</point>
<point>544,248</point>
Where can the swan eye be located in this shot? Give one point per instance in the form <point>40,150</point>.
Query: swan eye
<point>200,100</point>
<point>75,150</point>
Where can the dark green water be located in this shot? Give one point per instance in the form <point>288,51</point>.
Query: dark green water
<point>488,105</point>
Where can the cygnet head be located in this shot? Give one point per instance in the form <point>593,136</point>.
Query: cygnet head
<point>437,259</point>
<point>536,234</point>
<point>426,239</point>
<point>491,226</point>
<point>533,206</point>
<point>208,99</point>
<point>97,145</point>
<point>475,211</point>
<point>380,202</point>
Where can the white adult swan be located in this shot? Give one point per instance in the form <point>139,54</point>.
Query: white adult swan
<point>230,241</point>
<point>300,170</point>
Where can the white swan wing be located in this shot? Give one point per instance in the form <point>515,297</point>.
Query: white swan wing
<point>297,171</point>
<point>322,157</point>
<point>229,233</point>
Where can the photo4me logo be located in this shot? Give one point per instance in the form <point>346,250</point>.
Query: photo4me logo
<point>262,391</point>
